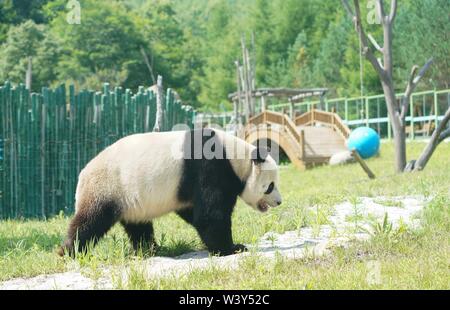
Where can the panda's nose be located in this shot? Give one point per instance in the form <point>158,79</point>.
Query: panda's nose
<point>279,202</point>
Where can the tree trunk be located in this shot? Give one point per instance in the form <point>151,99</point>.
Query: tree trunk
<point>398,127</point>
<point>400,149</point>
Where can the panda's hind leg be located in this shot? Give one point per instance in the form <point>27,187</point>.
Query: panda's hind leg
<point>141,236</point>
<point>89,225</point>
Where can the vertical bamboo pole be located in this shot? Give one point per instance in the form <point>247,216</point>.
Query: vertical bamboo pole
<point>43,149</point>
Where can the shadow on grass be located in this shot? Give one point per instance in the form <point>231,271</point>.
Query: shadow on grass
<point>178,248</point>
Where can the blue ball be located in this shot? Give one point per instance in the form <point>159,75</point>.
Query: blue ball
<point>365,140</point>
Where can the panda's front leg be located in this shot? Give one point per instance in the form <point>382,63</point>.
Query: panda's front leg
<point>217,236</point>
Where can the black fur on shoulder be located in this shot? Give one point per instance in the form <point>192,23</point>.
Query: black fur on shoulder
<point>211,186</point>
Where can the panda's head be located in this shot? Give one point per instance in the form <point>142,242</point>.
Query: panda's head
<point>261,190</point>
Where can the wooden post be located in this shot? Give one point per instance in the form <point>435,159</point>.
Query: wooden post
<point>292,109</point>
<point>322,101</point>
<point>263,104</point>
<point>250,83</point>
<point>244,79</point>
<point>159,106</point>
<point>29,74</point>
<point>363,164</point>
<point>333,120</point>
<point>245,105</point>
<point>302,143</point>
<point>238,102</point>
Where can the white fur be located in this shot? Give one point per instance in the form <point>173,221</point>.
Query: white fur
<point>257,177</point>
<point>143,173</point>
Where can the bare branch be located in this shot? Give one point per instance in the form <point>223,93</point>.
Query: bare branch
<point>439,135</point>
<point>412,75</point>
<point>365,44</point>
<point>413,81</point>
<point>423,71</point>
<point>393,13</point>
<point>149,67</point>
<point>444,135</point>
<point>348,9</point>
<point>375,43</point>
<point>380,11</point>
<point>380,62</point>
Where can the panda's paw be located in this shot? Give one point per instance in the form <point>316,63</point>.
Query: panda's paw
<point>235,249</point>
<point>239,248</point>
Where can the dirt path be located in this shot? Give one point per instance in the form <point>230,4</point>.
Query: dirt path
<point>291,245</point>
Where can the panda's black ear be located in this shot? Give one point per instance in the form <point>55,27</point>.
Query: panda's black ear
<point>259,155</point>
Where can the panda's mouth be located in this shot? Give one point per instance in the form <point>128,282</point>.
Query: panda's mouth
<point>263,206</point>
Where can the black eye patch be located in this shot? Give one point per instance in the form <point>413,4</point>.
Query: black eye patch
<point>270,189</point>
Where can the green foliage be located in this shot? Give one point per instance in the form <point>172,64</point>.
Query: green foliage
<point>24,41</point>
<point>423,31</point>
<point>194,44</point>
<point>16,12</point>
<point>107,40</point>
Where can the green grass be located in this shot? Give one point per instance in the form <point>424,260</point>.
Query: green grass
<point>408,259</point>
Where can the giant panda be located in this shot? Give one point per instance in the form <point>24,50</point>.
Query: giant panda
<point>199,174</point>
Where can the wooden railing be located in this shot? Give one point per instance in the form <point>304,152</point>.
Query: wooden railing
<point>269,117</point>
<point>289,128</point>
<point>326,118</point>
<point>287,125</point>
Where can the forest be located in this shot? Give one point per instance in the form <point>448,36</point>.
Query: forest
<point>194,44</point>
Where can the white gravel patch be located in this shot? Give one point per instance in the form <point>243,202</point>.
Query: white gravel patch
<point>341,229</point>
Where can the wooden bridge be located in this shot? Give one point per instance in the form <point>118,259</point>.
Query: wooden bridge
<point>310,139</point>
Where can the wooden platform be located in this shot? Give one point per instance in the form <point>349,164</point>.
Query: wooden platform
<point>311,139</point>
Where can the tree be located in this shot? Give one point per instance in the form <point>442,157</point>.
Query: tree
<point>425,28</point>
<point>221,49</point>
<point>17,12</point>
<point>169,52</point>
<point>397,109</point>
<point>262,25</point>
<point>25,41</point>
<point>289,73</point>
<point>330,65</point>
<point>106,41</point>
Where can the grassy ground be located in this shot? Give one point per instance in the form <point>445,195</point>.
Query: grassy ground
<point>411,260</point>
